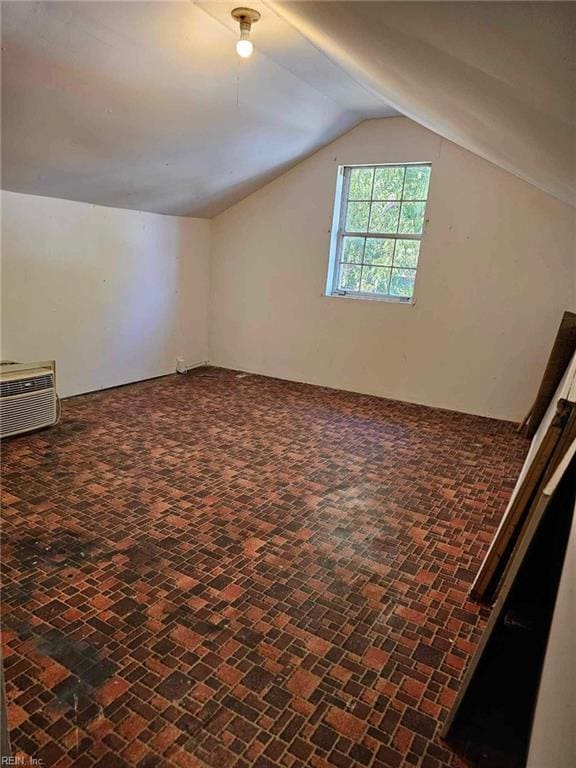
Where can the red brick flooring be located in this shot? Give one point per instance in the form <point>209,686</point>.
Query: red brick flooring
<point>232,571</point>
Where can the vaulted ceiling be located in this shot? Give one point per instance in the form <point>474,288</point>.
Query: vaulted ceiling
<point>145,105</point>
<point>498,78</point>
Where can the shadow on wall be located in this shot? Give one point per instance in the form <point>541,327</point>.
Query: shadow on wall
<point>112,295</point>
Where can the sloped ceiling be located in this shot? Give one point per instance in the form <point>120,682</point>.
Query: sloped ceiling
<point>498,78</point>
<point>146,105</point>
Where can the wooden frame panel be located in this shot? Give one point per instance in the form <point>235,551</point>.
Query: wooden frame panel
<point>561,353</point>
<point>485,585</point>
<point>566,464</point>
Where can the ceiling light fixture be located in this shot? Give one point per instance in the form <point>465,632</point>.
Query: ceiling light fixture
<point>245,17</point>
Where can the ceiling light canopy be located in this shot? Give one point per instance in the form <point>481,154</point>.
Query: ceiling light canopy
<point>245,17</point>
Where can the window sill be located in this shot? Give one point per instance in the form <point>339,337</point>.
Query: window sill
<point>368,297</point>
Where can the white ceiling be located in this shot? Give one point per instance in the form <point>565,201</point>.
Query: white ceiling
<point>146,105</point>
<point>498,78</point>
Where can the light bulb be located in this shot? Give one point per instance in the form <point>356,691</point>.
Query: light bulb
<point>245,18</point>
<point>244,48</point>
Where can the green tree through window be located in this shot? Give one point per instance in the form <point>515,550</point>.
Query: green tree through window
<point>381,223</point>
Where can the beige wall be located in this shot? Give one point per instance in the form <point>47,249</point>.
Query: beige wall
<point>113,295</point>
<point>496,272</point>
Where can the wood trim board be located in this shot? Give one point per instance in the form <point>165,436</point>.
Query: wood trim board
<point>533,472</point>
<point>486,582</point>
<point>567,464</point>
<point>564,448</point>
<point>553,736</point>
<point>561,353</point>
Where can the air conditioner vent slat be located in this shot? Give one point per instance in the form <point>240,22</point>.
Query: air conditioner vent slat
<point>27,400</point>
<point>26,385</point>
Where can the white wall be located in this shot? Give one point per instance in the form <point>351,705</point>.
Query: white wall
<point>496,271</point>
<point>114,296</point>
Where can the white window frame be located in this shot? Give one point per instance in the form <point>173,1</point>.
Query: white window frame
<point>338,233</point>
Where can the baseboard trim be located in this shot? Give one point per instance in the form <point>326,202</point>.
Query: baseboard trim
<point>134,381</point>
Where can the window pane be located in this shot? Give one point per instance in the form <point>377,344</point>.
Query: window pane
<point>416,184</point>
<point>380,230</point>
<point>349,277</point>
<point>352,249</point>
<point>402,282</point>
<point>357,217</point>
<point>388,183</point>
<point>375,280</point>
<point>407,253</point>
<point>412,218</point>
<point>379,251</point>
<point>384,217</point>
<point>360,184</point>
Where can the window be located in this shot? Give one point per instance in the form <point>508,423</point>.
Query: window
<point>378,224</point>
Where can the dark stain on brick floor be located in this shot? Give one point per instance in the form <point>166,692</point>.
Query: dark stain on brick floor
<point>204,570</point>
<point>79,657</point>
<point>44,549</point>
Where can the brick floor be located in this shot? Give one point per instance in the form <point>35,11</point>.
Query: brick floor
<point>231,571</point>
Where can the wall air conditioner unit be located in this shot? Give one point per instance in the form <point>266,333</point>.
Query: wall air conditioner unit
<point>28,398</point>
